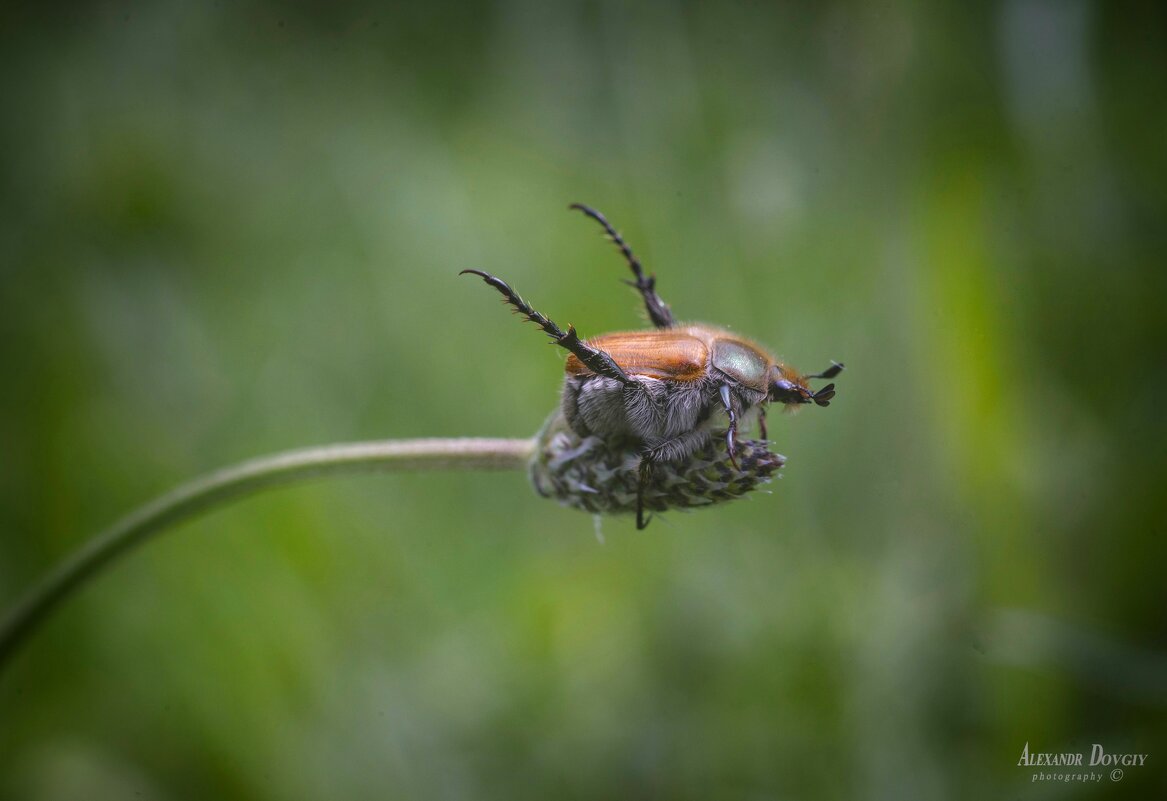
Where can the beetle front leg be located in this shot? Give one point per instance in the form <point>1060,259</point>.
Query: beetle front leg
<point>762,421</point>
<point>731,433</point>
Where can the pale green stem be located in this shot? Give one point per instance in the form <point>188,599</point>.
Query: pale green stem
<point>223,486</point>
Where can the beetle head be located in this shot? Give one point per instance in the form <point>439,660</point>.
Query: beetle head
<point>793,389</point>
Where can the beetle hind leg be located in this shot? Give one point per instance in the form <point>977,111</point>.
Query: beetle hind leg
<point>658,310</point>
<point>594,359</point>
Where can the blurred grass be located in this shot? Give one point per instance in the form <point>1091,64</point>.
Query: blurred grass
<point>232,230</point>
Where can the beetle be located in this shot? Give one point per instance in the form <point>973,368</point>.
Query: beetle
<point>659,388</point>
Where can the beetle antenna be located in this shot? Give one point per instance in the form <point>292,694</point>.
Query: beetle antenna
<point>824,395</point>
<point>658,310</point>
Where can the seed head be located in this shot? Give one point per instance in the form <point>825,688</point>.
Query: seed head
<point>601,477</point>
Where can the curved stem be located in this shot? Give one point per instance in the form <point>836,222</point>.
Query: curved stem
<point>222,486</point>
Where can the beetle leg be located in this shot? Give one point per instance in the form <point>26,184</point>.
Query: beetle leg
<point>762,421</point>
<point>731,434</point>
<point>671,450</point>
<point>645,475</point>
<point>677,448</point>
<point>830,372</point>
<point>594,359</point>
<point>658,310</point>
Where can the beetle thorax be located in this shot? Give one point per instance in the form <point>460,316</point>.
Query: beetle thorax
<point>742,361</point>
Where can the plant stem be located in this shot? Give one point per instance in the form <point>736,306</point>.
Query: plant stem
<point>223,486</point>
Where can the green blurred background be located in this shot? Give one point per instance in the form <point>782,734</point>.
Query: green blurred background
<point>229,229</point>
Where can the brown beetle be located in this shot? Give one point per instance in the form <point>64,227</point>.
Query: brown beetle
<point>659,388</point>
